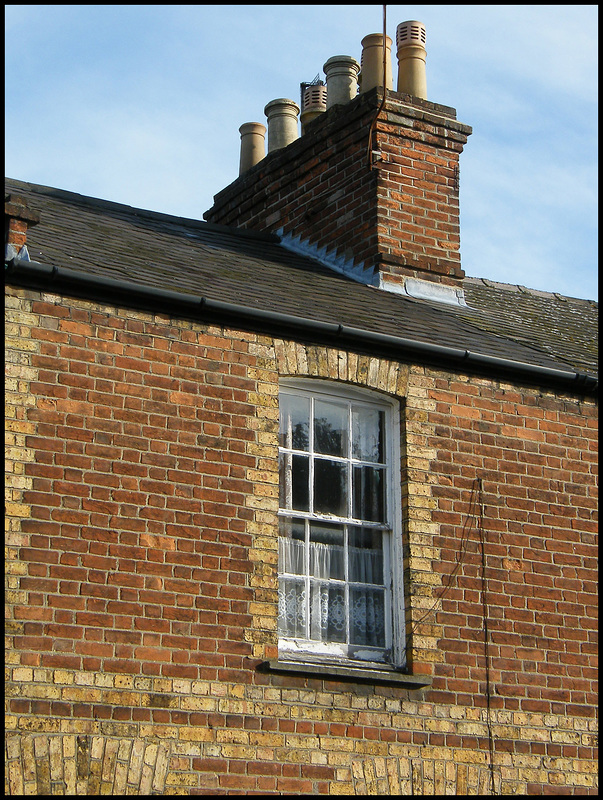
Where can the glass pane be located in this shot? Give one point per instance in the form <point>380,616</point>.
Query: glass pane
<point>330,429</point>
<point>294,422</point>
<point>294,482</point>
<point>330,487</point>
<point>368,488</point>
<point>292,607</point>
<point>326,551</point>
<point>367,434</point>
<point>367,617</point>
<point>291,546</point>
<point>327,612</point>
<point>366,555</point>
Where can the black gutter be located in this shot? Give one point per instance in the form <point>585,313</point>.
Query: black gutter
<point>33,274</point>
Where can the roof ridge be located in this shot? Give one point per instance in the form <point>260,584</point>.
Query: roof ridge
<point>518,287</point>
<point>113,205</point>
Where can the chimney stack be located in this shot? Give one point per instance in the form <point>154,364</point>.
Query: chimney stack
<point>410,42</point>
<point>252,145</point>
<point>282,123</point>
<point>18,217</point>
<point>371,62</point>
<point>342,79</point>
<point>396,219</point>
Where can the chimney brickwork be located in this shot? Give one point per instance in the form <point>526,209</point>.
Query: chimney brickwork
<point>18,217</point>
<point>393,206</point>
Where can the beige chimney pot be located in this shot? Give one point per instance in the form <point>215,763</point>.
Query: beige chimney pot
<point>342,79</point>
<point>282,123</point>
<point>410,43</point>
<point>371,62</point>
<point>253,145</point>
<point>314,104</point>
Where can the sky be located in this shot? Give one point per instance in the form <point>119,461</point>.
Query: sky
<point>142,105</point>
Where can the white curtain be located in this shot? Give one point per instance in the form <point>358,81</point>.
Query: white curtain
<point>326,604</point>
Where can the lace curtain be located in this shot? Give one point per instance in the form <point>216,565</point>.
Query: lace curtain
<point>316,609</point>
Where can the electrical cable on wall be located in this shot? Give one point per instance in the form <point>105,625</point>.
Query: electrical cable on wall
<point>482,540</point>
<point>473,502</point>
<point>369,154</point>
<point>475,513</point>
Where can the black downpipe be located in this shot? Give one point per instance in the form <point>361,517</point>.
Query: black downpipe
<point>36,275</point>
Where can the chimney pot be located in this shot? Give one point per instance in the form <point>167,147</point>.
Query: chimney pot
<point>342,79</point>
<point>410,43</point>
<point>371,62</point>
<point>282,123</point>
<point>314,103</point>
<point>252,145</point>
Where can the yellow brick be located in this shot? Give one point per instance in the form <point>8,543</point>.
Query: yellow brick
<point>14,597</point>
<point>266,739</point>
<point>198,703</point>
<point>369,747</point>
<point>38,724</point>
<point>178,779</point>
<point>23,674</point>
<point>17,510</point>
<point>63,676</point>
<point>84,678</point>
<point>232,736</point>
<point>238,751</point>
<point>21,343</point>
<point>40,690</point>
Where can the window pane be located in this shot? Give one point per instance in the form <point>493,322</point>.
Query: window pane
<point>366,555</point>
<point>294,422</point>
<point>294,482</point>
<point>291,545</point>
<point>367,434</point>
<point>327,551</point>
<point>292,607</point>
<point>368,487</point>
<point>327,612</point>
<point>330,429</point>
<point>367,617</point>
<point>330,487</point>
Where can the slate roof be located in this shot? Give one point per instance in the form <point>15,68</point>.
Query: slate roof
<point>252,269</point>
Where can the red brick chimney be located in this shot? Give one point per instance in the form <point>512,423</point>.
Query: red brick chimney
<point>370,182</point>
<point>18,217</point>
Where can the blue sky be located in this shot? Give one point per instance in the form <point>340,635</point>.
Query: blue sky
<point>142,105</point>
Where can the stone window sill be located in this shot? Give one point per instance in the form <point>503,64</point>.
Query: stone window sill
<point>379,674</point>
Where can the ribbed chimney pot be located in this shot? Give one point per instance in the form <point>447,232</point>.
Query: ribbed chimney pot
<point>314,104</point>
<point>253,145</point>
<point>342,79</point>
<point>282,123</point>
<point>410,43</point>
<point>371,62</point>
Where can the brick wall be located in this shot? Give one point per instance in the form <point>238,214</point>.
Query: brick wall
<point>401,214</point>
<point>141,572</point>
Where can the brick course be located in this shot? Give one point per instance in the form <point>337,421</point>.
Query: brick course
<point>142,585</point>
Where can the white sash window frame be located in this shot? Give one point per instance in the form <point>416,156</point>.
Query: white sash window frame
<point>320,647</point>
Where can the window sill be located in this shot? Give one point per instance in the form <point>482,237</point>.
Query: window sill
<point>380,674</point>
